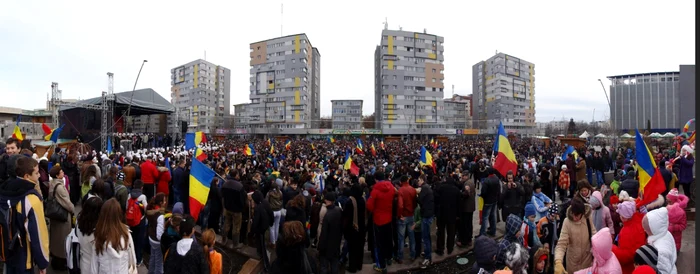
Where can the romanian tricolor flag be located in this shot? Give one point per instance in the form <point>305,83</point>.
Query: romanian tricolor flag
<point>505,158</point>
<point>651,184</point>
<point>288,145</point>
<point>349,165</point>
<point>433,143</point>
<point>16,133</point>
<point>199,154</point>
<point>249,150</point>
<point>194,139</point>
<point>53,133</point>
<point>272,149</point>
<point>331,139</point>
<point>426,159</point>
<point>313,147</point>
<point>373,150</point>
<point>569,150</point>
<point>269,142</point>
<point>381,144</point>
<point>200,182</point>
<point>359,148</point>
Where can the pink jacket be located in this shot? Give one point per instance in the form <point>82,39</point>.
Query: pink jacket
<point>677,220</point>
<point>604,261</point>
<point>601,213</point>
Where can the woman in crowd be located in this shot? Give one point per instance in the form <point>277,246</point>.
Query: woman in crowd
<point>291,250</point>
<point>274,198</point>
<point>213,257</point>
<point>113,249</point>
<point>575,238</point>
<point>87,221</point>
<point>87,179</point>
<point>59,229</point>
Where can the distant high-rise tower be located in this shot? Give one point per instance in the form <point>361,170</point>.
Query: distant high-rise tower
<point>201,92</point>
<point>409,89</point>
<point>504,91</point>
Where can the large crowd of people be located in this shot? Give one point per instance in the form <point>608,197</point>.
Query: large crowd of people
<point>101,212</point>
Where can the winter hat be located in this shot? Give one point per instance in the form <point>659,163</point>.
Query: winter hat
<point>673,195</point>
<point>644,269</point>
<point>487,249</point>
<point>178,208</point>
<point>563,167</point>
<point>121,176</point>
<point>330,196</point>
<point>646,255</point>
<point>530,210</point>
<point>537,185</point>
<point>516,258</point>
<point>554,209</point>
<point>626,209</point>
<point>595,200</point>
<point>279,183</point>
<point>614,200</point>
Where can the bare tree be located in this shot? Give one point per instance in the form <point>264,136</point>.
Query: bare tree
<point>368,121</point>
<point>326,122</point>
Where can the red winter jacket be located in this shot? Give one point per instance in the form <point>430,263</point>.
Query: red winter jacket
<point>408,197</point>
<point>164,182</point>
<point>380,202</point>
<point>149,173</point>
<point>631,238</point>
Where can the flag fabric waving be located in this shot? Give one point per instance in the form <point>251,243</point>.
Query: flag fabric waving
<point>288,145</point>
<point>249,150</point>
<point>349,165</point>
<point>331,139</point>
<point>16,133</point>
<point>651,183</point>
<point>313,147</point>
<point>47,130</point>
<point>109,145</point>
<point>433,143</point>
<point>272,149</point>
<point>193,139</point>
<point>426,159</point>
<point>53,136</point>
<point>200,182</point>
<point>358,147</point>
<point>569,150</point>
<point>373,150</point>
<point>505,158</point>
<point>199,154</point>
<point>269,142</point>
<point>381,144</point>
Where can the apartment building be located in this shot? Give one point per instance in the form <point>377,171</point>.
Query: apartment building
<point>347,114</point>
<point>201,94</point>
<point>285,86</point>
<point>504,91</point>
<point>467,100</point>
<point>409,89</point>
<point>455,114</point>
<point>666,100</point>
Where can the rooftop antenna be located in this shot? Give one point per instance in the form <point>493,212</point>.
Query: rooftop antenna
<point>281,18</point>
<point>453,90</point>
<point>400,28</point>
<point>205,55</point>
<point>425,31</point>
<point>386,23</point>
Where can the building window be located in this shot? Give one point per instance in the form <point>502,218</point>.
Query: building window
<point>394,77</point>
<point>433,80</point>
<point>434,70</point>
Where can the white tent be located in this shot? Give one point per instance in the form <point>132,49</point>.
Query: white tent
<point>585,135</point>
<point>626,135</point>
<point>601,135</point>
<point>669,135</point>
<point>655,135</point>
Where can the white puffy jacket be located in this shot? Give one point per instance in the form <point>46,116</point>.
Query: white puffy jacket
<point>662,240</point>
<point>112,261</point>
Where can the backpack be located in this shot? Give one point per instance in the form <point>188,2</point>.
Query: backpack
<point>72,246</point>
<point>119,193</point>
<point>134,212</point>
<point>12,231</point>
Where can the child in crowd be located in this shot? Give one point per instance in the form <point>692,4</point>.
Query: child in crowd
<point>646,255</point>
<point>601,213</point>
<point>486,257</point>
<point>213,257</point>
<point>677,220</point>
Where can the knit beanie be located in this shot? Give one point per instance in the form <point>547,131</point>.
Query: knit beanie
<point>673,195</point>
<point>178,208</point>
<point>516,258</point>
<point>646,255</point>
<point>487,250</point>
<point>279,182</point>
<point>554,209</point>
<point>530,210</point>
<point>626,209</point>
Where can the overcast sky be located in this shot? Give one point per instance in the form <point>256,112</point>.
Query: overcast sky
<point>572,45</point>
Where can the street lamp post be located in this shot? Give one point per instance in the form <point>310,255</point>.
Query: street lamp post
<point>128,110</point>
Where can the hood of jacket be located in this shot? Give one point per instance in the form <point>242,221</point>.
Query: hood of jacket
<point>601,246</point>
<point>513,224</point>
<point>586,214</point>
<point>596,200</point>
<point>658,223</point>
<point>16,187</point>
<point>384,187</point>
<point>136,193</point>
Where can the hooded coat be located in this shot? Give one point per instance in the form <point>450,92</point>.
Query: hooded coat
<point>601,213</point>
<point>677,220</point>
<point>631,238</point>
<point>575,242</point>
<point>380,202</point>
<point>604,261</point>
<point>513,224</point>
<point>662,240</point>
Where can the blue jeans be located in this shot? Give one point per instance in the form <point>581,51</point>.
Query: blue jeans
<point>589,174</point>
<point>8,269</point>
<point>404,225</point>
<point>427,243</point>
<point>155,263</point>
<point>488,219</point>
<point>599,178</point>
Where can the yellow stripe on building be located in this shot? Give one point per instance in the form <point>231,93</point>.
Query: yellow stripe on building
<point>391,44</point>
<point>297,101</point>
<point>297,44</point>
<point>297,80</point>
<point>390,64</point>
<point>432,55</point>
<point>271,86</point>
<point>390,111</point>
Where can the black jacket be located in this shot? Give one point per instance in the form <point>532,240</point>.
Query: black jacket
<point>234,196</point>
<point>491,190</point>
<point>512,197</point>
<point>193,262</point>
<point>631,186</point>
<point>295,214</point>
<point>426,201</point>
<point>290,258</point>
<point>3,168</point>
<point>331,233</point>
<point>447,202</point>
<point>263,218</point>
<point>288,194</point>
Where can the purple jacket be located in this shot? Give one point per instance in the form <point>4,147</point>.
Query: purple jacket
<point>685,175</point>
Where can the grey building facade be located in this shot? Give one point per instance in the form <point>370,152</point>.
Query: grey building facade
<point>409,89</point>
<point>347,114</point>
<point>285,86</point>
<point>504,91</point>
<point>455,114</point>
<point>201,94</point>
<point>665,100</point>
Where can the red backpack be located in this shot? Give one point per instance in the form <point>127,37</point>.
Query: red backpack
<point>134,212</point>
